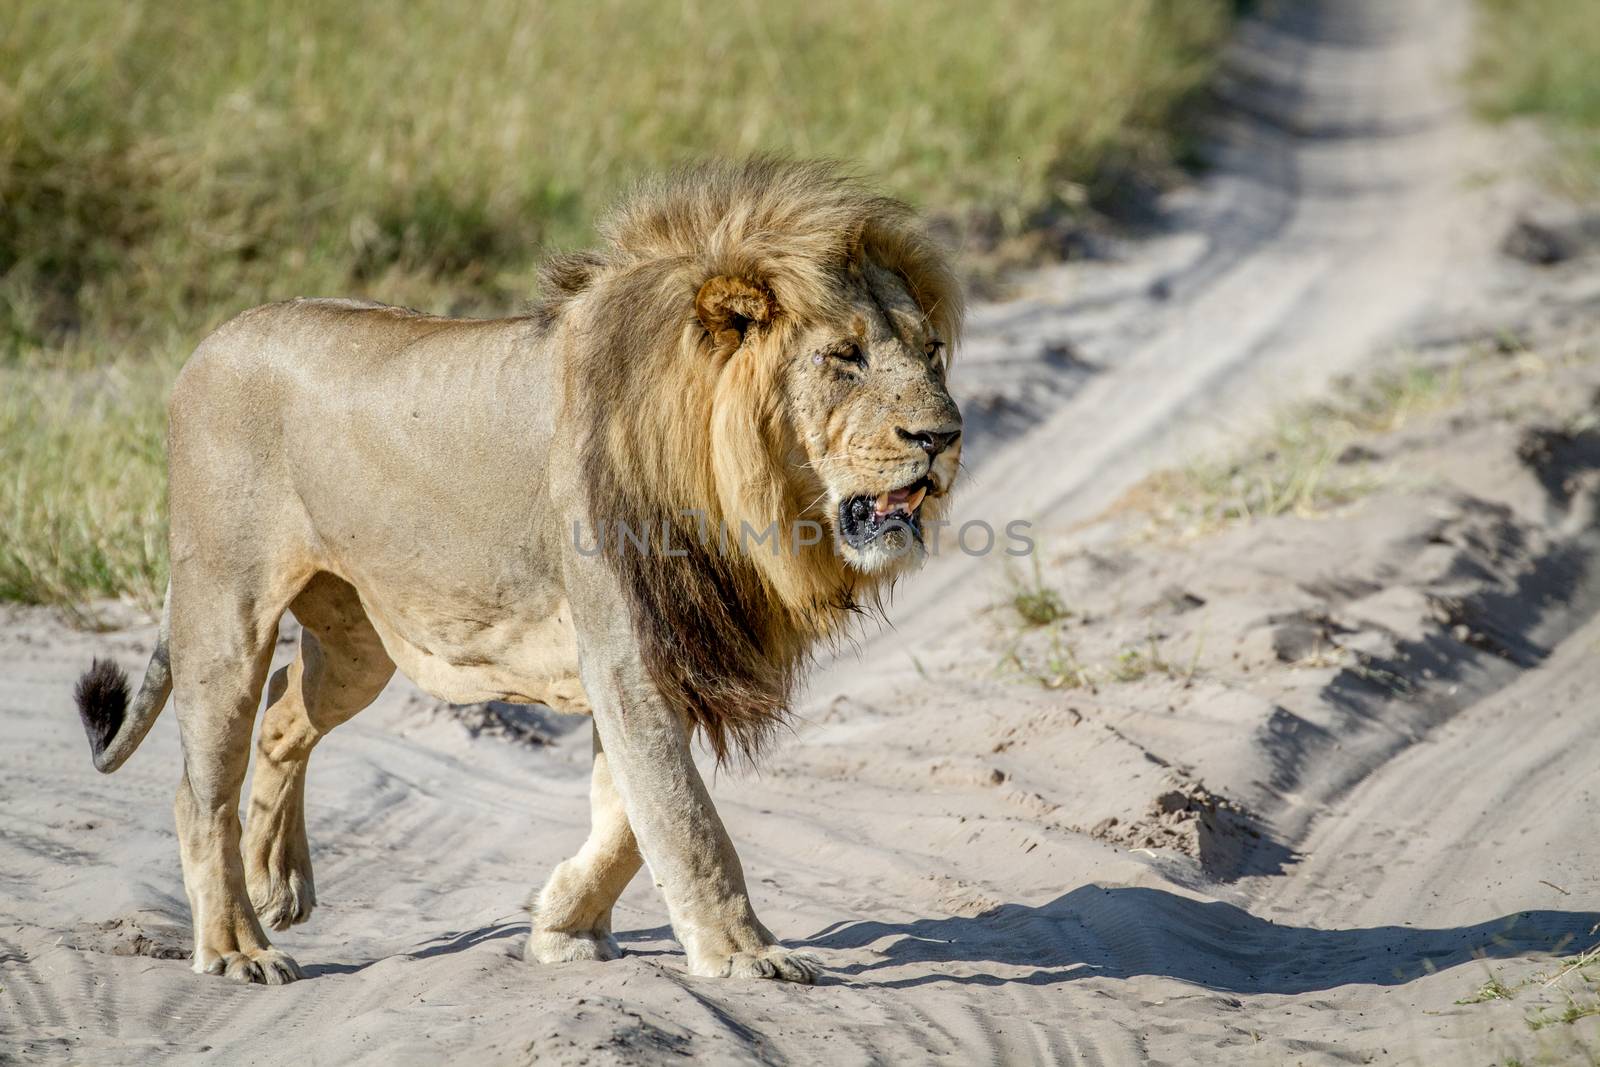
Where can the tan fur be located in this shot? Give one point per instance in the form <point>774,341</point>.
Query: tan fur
<point>754,343</point>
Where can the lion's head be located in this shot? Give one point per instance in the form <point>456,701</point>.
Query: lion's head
<point>868,405</point>
<point>758,358</point>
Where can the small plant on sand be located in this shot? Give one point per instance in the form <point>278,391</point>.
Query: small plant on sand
<point>1493,989</point>
<point>1058,669</point>
<point>1036,603</point>
<point>1575,1009</point>
<point>1138,662</point>
<point>1063,671</point>
<point>1391,398</point>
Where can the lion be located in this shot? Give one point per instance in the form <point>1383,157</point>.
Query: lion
<point>551,508</point>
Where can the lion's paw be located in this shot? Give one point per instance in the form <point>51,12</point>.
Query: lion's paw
<point>560,946</point>
<point>776,962</point>
<point>267,967</point>
<point>282,901</point>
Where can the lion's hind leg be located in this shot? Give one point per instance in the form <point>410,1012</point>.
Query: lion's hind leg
<point>223,633</point>
<point>340,669</point>
<point>572,914</point>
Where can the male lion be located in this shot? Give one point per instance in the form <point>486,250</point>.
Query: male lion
<point>756,348</point>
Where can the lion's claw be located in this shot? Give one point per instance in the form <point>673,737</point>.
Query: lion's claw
<point>268,967</point>
<point>777,962</point>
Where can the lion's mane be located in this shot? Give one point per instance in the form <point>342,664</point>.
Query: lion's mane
<point>685,420</point>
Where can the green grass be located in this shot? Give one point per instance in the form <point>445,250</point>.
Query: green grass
<point>1036,603</point>
<point>81,484</point>
<point>1039,606</point>
<point>1539,57</point>
<point>163,166</point>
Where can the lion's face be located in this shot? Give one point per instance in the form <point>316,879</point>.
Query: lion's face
<point>868,401</point>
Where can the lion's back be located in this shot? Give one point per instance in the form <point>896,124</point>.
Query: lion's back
<point>318,359</point>
<point>364,413</point>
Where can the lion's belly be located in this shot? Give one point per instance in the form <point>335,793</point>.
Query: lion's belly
<point>520,660</point>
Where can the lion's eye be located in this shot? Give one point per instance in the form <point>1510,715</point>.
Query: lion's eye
<point>932,349</point>
<point>850,353</point>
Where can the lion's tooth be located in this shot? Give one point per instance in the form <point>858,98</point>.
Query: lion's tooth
<point>883,503</point>
<point>915,500</point>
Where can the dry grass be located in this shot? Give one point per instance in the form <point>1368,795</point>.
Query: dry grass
<point>1493,989</point>
<point>163,166</point>
<point>1571,986</point>
<point>1304,465</point>
<point>1057,668</point>
<point>1056,665</point>
<point>1141,661</point>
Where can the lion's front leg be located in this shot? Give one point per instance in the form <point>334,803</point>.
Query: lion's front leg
<point>572,914</point>
<point>678,830</point>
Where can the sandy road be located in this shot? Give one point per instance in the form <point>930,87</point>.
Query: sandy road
<point>1464,832</point>
<point>925,833</point>
<point>1346,203</point>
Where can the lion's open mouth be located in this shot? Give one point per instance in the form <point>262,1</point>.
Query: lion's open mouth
<point>863,519</point>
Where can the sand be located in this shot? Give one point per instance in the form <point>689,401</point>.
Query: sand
<point>1284,790</point>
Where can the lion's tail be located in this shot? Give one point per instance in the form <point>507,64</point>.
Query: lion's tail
<point>102,696</point>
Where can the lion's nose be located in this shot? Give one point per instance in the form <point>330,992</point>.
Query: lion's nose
<point>930,441</point>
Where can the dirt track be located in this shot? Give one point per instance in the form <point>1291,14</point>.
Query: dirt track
<point>1352,778</point>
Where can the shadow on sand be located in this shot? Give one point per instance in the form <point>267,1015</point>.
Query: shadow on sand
<point>636,942</point>
<point>443,945</point>
<point>1127,931</point>
<point>1123,932</point>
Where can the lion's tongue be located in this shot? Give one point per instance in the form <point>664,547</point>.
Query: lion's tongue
<point>907,500</point>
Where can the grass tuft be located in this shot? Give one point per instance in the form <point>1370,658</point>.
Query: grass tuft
<point>1493,989</point>
<point>1135,663</point>
<point>1575,1009</point>
<point>1036,603</point>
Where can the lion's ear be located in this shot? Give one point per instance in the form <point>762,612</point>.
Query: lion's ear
<point>728,306</point>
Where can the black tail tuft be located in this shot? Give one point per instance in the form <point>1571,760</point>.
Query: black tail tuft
<point>102,696</point>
